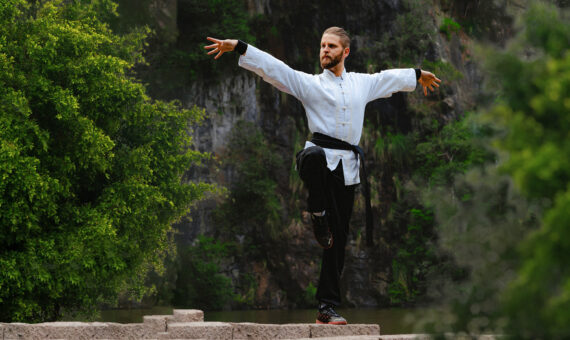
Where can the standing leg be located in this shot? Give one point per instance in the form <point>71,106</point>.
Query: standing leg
<point>340,204</point>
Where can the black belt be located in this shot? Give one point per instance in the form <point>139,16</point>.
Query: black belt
<point>328,142</point>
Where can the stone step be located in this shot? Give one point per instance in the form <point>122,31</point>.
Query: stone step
<point>238,331</point>
<point>76,330</point>
<point>183,324</point>
<point>321,331</point>
<point>198,330</point>
<point>270,331</point>
<point>406,337</point>
<point>186,315</point>
<point>159,322</point>
<point>354,337</point>
<point>374,337</point>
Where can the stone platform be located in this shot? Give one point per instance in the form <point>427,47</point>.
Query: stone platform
<point>189,324</point>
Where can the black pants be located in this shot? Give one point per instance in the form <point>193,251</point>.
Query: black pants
<point>328,192</point>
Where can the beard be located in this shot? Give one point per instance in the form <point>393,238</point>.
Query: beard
<point>332,62</point>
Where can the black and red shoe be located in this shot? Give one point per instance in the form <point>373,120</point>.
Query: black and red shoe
<point>327,315</point>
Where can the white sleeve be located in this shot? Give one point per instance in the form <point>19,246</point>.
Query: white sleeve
<point>385,83</point>
<point>274,71</point>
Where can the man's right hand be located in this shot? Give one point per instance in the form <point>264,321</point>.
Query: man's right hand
<point>220,46</point>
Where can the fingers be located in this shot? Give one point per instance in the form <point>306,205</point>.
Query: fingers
<point>429,81</point>
<point>214,40</point>
<point>429,86</point>
<point>216,47</point>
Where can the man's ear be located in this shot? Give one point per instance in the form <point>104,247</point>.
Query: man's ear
<point>346,52</point>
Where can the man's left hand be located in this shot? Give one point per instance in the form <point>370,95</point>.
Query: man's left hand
<point>428,80</point>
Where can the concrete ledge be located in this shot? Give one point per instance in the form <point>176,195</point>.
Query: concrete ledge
<point>129,331</point>
<point>355,337</point>
<point>186,315</point>
<point>55,330</point>
<point>464,336</point>
<point>155,322</point>
<point>321,331</point>
<point>199,330</point>
<point>77,330</point>
<point>189,324</point>
<point>270,331</point>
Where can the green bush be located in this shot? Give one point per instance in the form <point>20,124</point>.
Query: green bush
<point>90,167</point>
<point>187,54</point>
<point>449,26</point>
<point>420,161</point>
<point>405,44</point>
<point>451,151</point>
<point>200,284</point>
<point>253,207</point>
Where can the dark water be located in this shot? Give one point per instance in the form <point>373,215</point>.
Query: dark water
<point>391,320</point>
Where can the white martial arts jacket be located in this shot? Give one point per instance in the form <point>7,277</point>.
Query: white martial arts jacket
<point>334,105</point>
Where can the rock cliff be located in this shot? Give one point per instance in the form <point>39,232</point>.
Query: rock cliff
<point>386,34</point>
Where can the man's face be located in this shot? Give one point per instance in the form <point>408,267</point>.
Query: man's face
<point>332,52</point>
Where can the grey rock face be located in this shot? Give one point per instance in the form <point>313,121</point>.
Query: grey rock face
<point>241,95</point>
<point>226,102</point>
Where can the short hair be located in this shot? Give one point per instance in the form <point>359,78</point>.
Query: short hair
<point>341,33</point>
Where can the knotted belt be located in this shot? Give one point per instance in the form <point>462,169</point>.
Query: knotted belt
<point>328,142</point>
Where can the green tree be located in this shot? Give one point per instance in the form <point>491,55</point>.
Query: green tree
<point>509,223</point>
<point>90,166</point>
<point>534,78</point>
<point>199,283</point>
<point>253,208</point>
<point>175,55</point>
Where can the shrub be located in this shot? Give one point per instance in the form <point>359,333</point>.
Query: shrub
<point>90,167</point>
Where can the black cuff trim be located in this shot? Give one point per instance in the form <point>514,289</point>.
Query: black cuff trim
<point>241,47</point>
<point>418,73</point>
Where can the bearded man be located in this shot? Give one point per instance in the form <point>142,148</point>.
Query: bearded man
<point>329,164</point>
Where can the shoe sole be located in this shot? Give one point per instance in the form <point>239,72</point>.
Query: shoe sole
<point>331,323</point>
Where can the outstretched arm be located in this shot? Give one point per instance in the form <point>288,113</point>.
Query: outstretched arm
<point>271,69</point>
<point>428,80</point>
<point>385,83</point>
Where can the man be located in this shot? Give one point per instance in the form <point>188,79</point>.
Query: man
<point>334,102</point>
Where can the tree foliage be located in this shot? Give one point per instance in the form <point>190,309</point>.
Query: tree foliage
<point>199,283</point>
<point>534,77</point>
<point>175,59</point>
<point>90,166</point>
<point>253,209</point>
<point>426,158</point>
<point>512,230</point>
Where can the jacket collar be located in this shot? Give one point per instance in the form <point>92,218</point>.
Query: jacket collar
<point>328,73</point>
